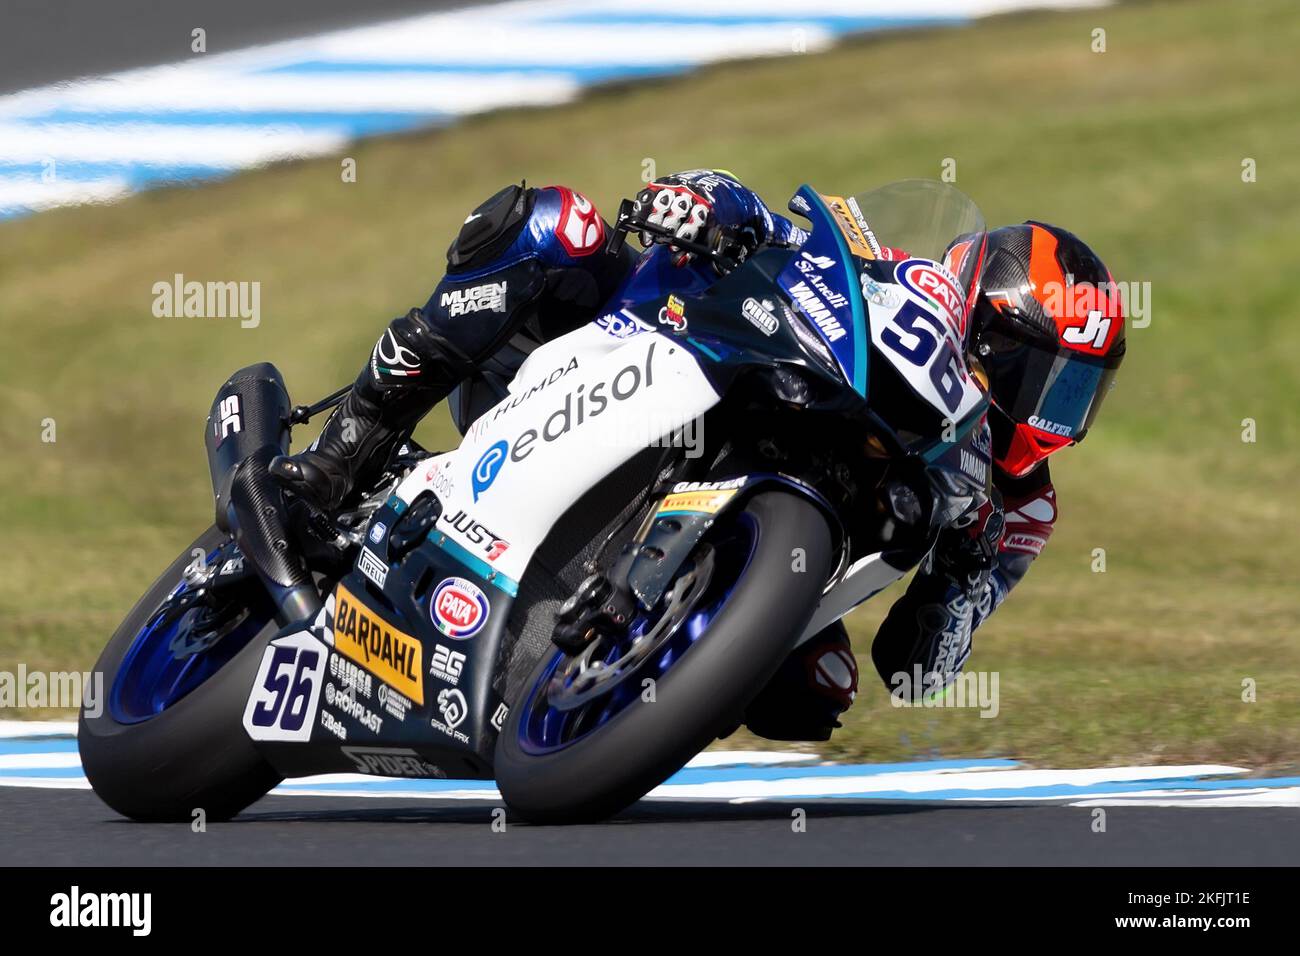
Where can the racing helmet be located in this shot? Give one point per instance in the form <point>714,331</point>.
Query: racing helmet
<point>1048,330</point>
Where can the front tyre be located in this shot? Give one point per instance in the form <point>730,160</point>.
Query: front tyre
<point>557,768</point>
<point>169,738</point>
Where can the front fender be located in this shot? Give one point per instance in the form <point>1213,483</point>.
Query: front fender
<point>689,510</point>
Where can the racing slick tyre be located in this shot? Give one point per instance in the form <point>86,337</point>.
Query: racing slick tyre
<point>576,765</point>
<point>168,738</point>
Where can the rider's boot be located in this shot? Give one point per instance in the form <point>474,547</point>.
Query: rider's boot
<point>410,370</point>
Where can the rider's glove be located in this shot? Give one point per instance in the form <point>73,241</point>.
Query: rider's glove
<point>687,206</point>
<point>671,203</point>
<point>967,553</point>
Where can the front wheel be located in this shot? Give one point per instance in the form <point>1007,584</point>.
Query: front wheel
<point>581,749</point>
<point>169,739</point>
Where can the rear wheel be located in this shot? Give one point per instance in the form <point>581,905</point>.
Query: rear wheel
<point>588,737</point>
<point>169,737</point>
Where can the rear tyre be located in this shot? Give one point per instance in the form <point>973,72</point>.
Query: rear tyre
<point>703,693</point>
<point>192,755</point>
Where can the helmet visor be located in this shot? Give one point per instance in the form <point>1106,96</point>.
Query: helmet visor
<point>1056,392</point>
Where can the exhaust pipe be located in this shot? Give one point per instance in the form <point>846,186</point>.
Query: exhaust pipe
<point>246,428</point>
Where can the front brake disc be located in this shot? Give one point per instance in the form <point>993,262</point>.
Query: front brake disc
<point>201,627</point>
<point>588,675</point>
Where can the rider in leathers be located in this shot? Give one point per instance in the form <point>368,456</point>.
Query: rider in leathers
<point>530,264</point>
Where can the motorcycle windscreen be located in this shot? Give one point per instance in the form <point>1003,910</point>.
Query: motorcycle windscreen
<point>930,220</point>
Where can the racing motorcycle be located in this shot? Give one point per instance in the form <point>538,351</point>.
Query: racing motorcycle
<point>576,600</point>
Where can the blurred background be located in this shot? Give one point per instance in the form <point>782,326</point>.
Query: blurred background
<point>329,152</point>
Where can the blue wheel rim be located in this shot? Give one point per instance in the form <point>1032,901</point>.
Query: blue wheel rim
<point>151,678</point>
<point>544,728</point>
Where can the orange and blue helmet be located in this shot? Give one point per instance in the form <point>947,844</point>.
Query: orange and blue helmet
<point>1049,332</point>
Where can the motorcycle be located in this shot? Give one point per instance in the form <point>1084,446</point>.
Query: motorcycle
<point>578,599</point>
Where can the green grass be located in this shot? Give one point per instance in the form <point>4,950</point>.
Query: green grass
<point>1138,149</point>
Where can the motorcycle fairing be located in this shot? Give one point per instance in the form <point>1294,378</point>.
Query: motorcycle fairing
<point>554,437</point>
<point>915,336</point>
<point>579,407</point>
<point>820,282</point>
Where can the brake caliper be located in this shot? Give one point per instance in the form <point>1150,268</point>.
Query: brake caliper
<point>598,606</point>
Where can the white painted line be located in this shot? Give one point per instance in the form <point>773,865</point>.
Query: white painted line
<point>784,8</point>
<point>46,783</point>
<point>38,728</point>
<point>928,781</point>
<point>744,791</point>
<point>185,88</point>
<point>756,758</point>
<point>523,53</point>
<point>32,192</point>
<point>222,82</point>
<point>566,44</point>
<point>717,758</point>
<point>522,11</point>
<point>1259,797</point>
<point>38,761</point>
<point>160,144</point>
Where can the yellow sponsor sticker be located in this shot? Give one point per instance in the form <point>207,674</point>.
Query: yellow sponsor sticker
<point>393,657</point>
<point>697,502</point>
<point>859,244</point>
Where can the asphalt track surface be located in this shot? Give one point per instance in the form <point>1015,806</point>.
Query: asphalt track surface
<point>46,41</point>
<point>72,828</point>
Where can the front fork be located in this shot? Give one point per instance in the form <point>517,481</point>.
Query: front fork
<point>605,602</point>
<point>649,564</point>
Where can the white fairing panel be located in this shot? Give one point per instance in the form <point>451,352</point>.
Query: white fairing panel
<point>579,407</point>
<point>916,324</point>
<point>864,579</point>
